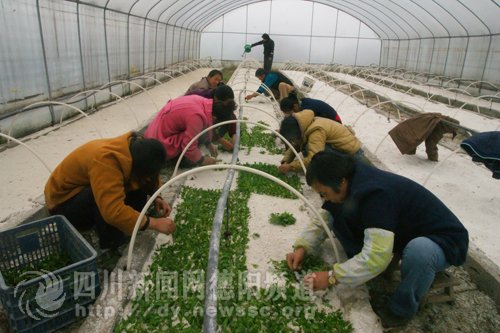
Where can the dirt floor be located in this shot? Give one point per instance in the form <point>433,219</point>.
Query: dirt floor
<point>472,311</point>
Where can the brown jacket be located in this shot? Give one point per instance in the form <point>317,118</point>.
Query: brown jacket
<point>408,134</point>
<point>105,165</point>
<point>316,133</point>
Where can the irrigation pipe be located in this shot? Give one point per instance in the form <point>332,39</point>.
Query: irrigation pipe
<point>225,166</point>
<point>233,122</point>
<point>210,321</point>
<point>27,147</point>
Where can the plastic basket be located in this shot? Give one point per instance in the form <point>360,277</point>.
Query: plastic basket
<point>46,301</point>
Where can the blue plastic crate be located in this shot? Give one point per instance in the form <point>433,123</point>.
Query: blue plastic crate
<point>46,301</point>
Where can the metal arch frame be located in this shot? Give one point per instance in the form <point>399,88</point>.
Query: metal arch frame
<point>355,13</point>
<point>19,142</point>
<point>48,103</point>
<point>203,24</point>
<point>110,94</point>
<point>180,27</point>
<point>212,15</point>
<point>106,41</point>
<point>395,14</point>
<point>193,4</point>
<point>423,25</point>
<point>489,43</point>
<point>128,37</point>
<point>197,3</point>
<point>449,41</point>
<point>144,37</point>
<point>461,108</point>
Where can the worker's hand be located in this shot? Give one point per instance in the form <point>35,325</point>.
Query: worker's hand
<point>208,160</point>
<point>162,207</point>
<point>213,150</point>
<point>295,258</point>
<point>165,225</point>
<point>249,97</point>
<point>317,280</point>
<point>284,168</point>
<point>226,145</point>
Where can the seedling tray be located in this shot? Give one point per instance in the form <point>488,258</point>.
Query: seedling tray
<point>42,300</point>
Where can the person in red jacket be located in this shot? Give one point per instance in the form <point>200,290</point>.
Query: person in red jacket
<point>181,119</point>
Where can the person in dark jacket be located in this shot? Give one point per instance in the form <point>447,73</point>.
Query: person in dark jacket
<point>268,44</point>
<point>321,109</point>
<point>375,214</point>
<point>429,127</point>
<point>278,83</point>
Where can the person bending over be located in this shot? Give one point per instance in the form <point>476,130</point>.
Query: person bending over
<point>310,135</point>
<point>375,214</point>
<point>321,109</point>
<point>221,93</point>
<point>105,184</point>
<point>181,119</point>
<point>278,83</point>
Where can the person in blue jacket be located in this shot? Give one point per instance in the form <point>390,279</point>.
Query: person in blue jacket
<point>278,83</point>
<point>321,109</point>
<point>375,214</point>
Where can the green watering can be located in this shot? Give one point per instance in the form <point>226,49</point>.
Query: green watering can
<point>248,48</point>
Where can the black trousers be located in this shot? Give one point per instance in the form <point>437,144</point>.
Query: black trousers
<point>268,62</point>
<point>82,212</point>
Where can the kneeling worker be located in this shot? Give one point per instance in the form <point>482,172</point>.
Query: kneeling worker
<point>278,83</point>
<point>311,135</point>
<point>105,184</point>
<point>374,214</point>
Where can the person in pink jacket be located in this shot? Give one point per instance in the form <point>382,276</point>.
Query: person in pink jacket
<point>183,118</point>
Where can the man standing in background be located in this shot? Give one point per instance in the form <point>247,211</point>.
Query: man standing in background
<point>268,44</point>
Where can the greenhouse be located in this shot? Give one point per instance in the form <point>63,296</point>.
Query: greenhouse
<point>249,166</point>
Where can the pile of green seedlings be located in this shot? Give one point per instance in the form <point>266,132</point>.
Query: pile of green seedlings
<point>258,137</point>
<point>173,296</point>
<point>282,219</point>
<point>50,263</point>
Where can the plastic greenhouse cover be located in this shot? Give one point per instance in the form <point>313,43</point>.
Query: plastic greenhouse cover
<point>390,19</point>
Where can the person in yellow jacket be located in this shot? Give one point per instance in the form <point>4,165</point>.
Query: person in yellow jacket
<point>105,184</point>
<point>311,134</point>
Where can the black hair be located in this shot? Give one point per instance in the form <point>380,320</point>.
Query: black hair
<point>286,104</point>
<point>330,168</point>
<point>265,36</point>
<point>260,71</point>
<point>148,156</point>
<point>214,72</point>
<point>223,92</point>
<point>290,129</point>
<point>222,109</point>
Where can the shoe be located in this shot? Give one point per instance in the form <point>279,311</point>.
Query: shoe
<point>389,319</point>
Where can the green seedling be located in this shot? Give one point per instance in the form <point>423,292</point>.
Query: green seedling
<point>283,219</point>
<point>240,308</point>
<point>258,137</point>
<point>51,263</point>
<point>251,183</point>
